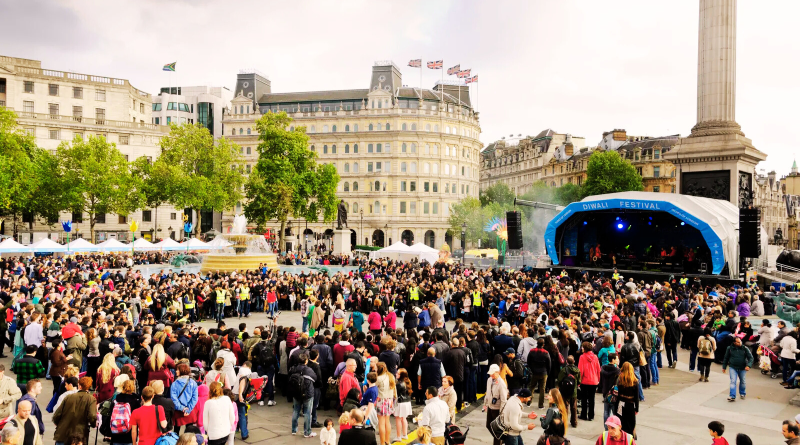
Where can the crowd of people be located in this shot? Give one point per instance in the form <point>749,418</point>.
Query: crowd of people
<point>125,348</point>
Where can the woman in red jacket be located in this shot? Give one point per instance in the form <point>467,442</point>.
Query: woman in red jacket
<point>106,374</point>
<point>589,367</point>
<point>158,366</point>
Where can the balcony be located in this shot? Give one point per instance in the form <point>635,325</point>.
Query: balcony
<point>76,77</point>
<point>55,119</point>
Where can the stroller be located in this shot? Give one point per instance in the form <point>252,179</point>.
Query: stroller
<point>769,362</point>
<point>454,435</point>
<point>198,371</point>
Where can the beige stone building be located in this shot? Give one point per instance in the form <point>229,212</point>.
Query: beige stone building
<point>405,155</point>
<point>554,159</point>
<point>55,106</point>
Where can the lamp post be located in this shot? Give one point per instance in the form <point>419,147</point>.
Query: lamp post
<point>464,236</point>
<point>289,228</point>
<point>361,211</point>
<point>385,234</point>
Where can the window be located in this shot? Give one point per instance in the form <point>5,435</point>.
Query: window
<point>387,147</point>
<point>100,95</point>
<point>413,147</point>
<point>656,189</point>
<point>412,208</point>
<point>435,168</point>
<point>55,133</point>
<point>403,147</point>
<point>425,208</point>
<point>241,131</point>
<point>147,215</point>
<point>413,167</point>
<point>100,218</point>
<point>427,149</point>
<point>447,188</point>
<point>403,186</point>
<point>324,128</point>
<point>402,207</point>
<point>173,216</point>
<point>355,207</point>
<point>378,148</point>
<point>369,167</point>
<point>171,106</point>
<point>435,187</point>
<point>124,139</point>
<point>27,106</point>
<point>346,186</point>
<point>377,167</point>
<point>53,89</point>
<point>413,186</point>
<point>427,127</point>
<point>402,167</point>
<point>325,149</point>
<point>426,168</point>
<point>656,154</point>
<point>355,148</point>
<point>80,135</point>
<point>355,186</point>
<point>77,112</point>
<point>436,128</point>
<point>388,127</point>
<point>413,127</point>
<point>347,148</point>
<point>248,131</point>
<point>100,115</point>
<point>346,167</point>
<point>426,186</point>
<point>435,208</point>
<point>435,149</point>
<point>355,127</point>
<point>141,107</point>
<point>77,217</point>
<point>355,167</point>
<point>377,186</point>
<point>313,129</point>
<point>169,120</point>
<point>347,127</point>
<point>462,171</point>
<point>462,188</point>
<point>249,150</point>
<point>28,86</point>
<point>656,172</point>
<point>453,189</point>
<point>53,109</point>
<point>370,127</point>
<point>313,148</point>
<point>404,127</point>
<point>333,128</point>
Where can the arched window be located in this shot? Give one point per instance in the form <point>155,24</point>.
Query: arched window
<point>380,127</point>
<point>447,129</point>
<point>355,127</point>
<point>369,148</point>
<point>377,205</point>
<point>436,128</point>
<point>233,132</point>
<point>388,127</point>
<point>346,167</point>
<point>404,126</point>
<point>355,148</point>
<point>426,168</point>
<point>446,169</point>
<point>325,149</point>
<point>427,127</point>
<point>413,167</point>
<point>313,129</point>
<point>427,149</point>
<point>403,167</point>
<point>241,109</point>
<point>291,128</point>
<point>355,167</point>
<point>241,131</point>
<point>347,148</point>
<point>384,186</point>
<point>378,148</point>
<point>347,128</point>
<point>355,186</point>
<point>324,128</point>
<point>248,131</point>
<point>380,104</point>
<point>413,127</point>
<point>377,186</point>
<point>355,204</point>
<point>370,127</point>
<point>413,147</point>
<point>333,149</point>
<point>346,186</point>
<point>313,148</point>
<point>404,147</point>
<point>435,168</point>
<point>333,128</point>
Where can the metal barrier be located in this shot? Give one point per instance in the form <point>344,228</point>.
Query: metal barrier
<point>510,262</point>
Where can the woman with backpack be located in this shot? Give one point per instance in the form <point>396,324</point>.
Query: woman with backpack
<point>184,395</point>
<point>121,415</point>
<point>706,345</point>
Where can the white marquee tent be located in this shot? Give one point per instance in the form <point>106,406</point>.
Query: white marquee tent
<point>112,245</point>
<point>81,245</point>
<point>194,244</point>
<point>10,246</point>
<point>141,244</point>
<point>167,244</point>
<point>46,245</point>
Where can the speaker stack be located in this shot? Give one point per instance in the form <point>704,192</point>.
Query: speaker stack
<point>514,222</point>
<point>749,233</point>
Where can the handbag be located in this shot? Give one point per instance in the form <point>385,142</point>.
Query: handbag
<point>497,427</point>
<point>613,395</point>
<point>642,358</point>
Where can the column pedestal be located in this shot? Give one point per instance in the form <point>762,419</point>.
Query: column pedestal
<point>341,242</point>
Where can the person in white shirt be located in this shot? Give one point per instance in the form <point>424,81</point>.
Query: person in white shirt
<point>435,415</point>
<point>34,333</point>
<point>71,386</point>
<point>328,434</point>
<point>512,413</point>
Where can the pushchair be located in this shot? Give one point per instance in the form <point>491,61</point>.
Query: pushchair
<point>769,362</point>
<point>454,434</point>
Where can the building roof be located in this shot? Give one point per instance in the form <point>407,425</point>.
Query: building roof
<point>314,96</point>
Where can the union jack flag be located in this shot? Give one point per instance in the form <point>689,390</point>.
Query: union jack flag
<point>471,79</point>
<point>416,63</point>
<point>436,64</point>
<point>453,70</point>
<point>464,73</point>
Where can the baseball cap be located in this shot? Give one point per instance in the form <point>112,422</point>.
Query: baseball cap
<point>524,392</point>
<point>510,351</point>
<point>493,369</point>
<point>613,421</point>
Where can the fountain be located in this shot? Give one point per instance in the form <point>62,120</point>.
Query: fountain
<point>245,253</point>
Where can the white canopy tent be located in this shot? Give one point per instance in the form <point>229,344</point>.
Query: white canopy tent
<point>112,245</point>
<point>46,245</point>
<point>81,245</point>
<point>219,243</point>
<point>167,244</point>
<point>10,246</point>
<point>194,244</point>
<point>142,244</point>
<point>392,252</point>
<point>423,252</point>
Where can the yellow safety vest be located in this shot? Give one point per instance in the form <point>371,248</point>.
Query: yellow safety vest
<point>476,299</point>
<point>615,276</point>
<point>245,294</point>
<point>684,280</point>
<point>563,273</point>
<point>189,304</point>
<point>220,296</point>
<point>413,293</point>
<point>309,290</point>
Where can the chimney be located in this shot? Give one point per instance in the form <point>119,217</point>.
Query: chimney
<point>620,135</point>
<point>568,147</point>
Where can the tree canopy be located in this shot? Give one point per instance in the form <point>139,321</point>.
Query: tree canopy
<point>608,172</point>
<point>287,181</point>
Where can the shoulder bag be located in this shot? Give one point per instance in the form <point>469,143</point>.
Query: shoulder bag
<point>498,427</point>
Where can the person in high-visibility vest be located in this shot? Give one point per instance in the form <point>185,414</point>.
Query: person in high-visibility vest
<point>615,275</point>
<point>244,300</point>
<point>413,295</point>
<point>477,305</point>
<point>220,306</point>
<point>188,307</point>
<point>563,273</point>
<point>683,281</point>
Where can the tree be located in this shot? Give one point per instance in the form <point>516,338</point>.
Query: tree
<point>608,172</point>
<point>159,181</point>
<point>198,172</point>
<point>499,193</point>
<point>287,181</point>
<point>99,178</point>
<point>468,211</point>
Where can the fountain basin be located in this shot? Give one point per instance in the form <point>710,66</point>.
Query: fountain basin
<point>238,263</point>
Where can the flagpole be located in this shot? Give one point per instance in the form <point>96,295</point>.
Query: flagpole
<point>442,85</point>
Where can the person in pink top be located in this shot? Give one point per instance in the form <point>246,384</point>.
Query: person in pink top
<point>202,396</point>
<point>589,366</point>
<point>389,320</point>
<point>374,321</point>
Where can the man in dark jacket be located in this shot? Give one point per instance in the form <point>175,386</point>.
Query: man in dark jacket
<point>430,371</point>
<point>672,338</point>
<point>539,364</point>
<point>454,361</point>
<point>608,378</point>
<point>76,414</point>
<point>739,359</point>
<point>570,397</point>
<point>305,403</point>
<point>630,354</point>
<point>357,434</point>
<point>517,367</point>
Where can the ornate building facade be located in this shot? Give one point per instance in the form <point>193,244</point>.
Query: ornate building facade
<point>405,155</point>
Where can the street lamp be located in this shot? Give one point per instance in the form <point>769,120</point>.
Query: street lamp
<point>464,236</point>
<point>289,228</point>
<point>385,234</point>
<point>362,225</point>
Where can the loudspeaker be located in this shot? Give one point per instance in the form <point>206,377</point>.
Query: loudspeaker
<point>749,233</point>
<point>514,221</point>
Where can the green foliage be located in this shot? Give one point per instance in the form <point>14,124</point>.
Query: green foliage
<point>98,178</point>
<point>499,193</point>
<point>370,248</point>
<point>287,181</point>
<point>608,172</point>
<point>196,172</point>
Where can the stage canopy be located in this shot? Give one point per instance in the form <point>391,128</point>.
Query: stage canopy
<point>717,221</point>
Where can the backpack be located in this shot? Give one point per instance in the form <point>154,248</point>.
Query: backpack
<point>705,346</point>
<point>121,418</point>
<point>656,341</point>
<point>248,389</point>
<point>567,386</point>
<point>526,374</point>
<point>297,387</point>
<point>167,439</point>
<point>215,347</point>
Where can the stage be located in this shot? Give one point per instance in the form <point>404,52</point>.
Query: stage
<point>646,275</point>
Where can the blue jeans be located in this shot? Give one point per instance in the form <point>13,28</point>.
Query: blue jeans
<point>113,443</point>
<point>512,440</point>
<point>244,307</point>
<point>692,359</point>
<point>638,377</point>
<point>653,369</point>
<point>658,355</point>
<point>608,410</point>
<point>305,323</point>
<point>306,406</point>
<point>471,384</point>
<point>272,308</point>
<point>317,396</point>
<point>453,312</point>
<point>740,375</point>
<point>220,311</point>
<point>242,425</point>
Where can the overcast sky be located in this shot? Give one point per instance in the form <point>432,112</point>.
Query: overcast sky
<point>579,67</point>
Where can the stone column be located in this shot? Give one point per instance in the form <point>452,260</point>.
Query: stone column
<point>716,62</point>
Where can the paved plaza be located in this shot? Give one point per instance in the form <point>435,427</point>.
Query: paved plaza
<point>675,412</point>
